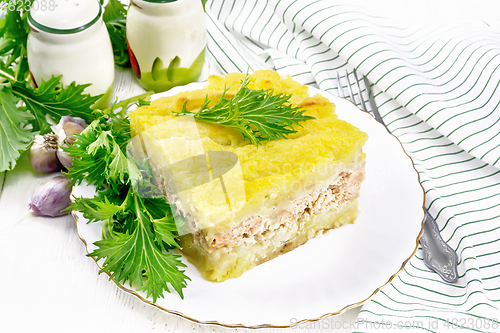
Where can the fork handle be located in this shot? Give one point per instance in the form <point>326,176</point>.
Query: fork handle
<point>371,99</point>
<point>438,255</point>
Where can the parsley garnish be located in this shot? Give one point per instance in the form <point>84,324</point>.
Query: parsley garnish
<point>139,231</point>
<point>257,114</point>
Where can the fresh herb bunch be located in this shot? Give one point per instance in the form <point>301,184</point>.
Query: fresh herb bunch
<point>139,230</point>
<point>14,136</point>
<point>259,115</point>
<point>20,122</point>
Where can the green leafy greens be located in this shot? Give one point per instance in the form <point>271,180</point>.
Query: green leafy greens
<point>139,232</point>
<point>50,99</point>
<point>257,114</point>
<point>115,19</point>
<point>20,122</point>
<point>13,45</point>
<point>13,137</point>
<point>24,109</point>
<point>139,236</point>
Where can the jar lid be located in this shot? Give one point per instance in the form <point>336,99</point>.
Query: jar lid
<point>64,16</point>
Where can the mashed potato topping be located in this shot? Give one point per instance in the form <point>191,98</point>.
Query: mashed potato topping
<point>277,165</point>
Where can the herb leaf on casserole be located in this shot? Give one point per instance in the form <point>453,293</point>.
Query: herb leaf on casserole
<point>259,115</point>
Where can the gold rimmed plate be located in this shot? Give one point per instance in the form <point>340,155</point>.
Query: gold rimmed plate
<point>329,274</point>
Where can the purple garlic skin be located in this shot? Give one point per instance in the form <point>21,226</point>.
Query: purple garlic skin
<point>43,153</point>
<point>64,158</point>
<point>76,120</point>
<point>65,129</point>
<point>70,126</point>
<point>51,197</point>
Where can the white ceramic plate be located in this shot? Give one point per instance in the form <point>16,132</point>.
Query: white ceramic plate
<point>329,274</point>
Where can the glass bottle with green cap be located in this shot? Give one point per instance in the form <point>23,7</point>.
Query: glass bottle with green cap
<point>69,38</point>
<point>166,41</point>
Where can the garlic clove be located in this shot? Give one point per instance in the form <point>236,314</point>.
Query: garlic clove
<point>68,126</point>
<point>75,120</point>
<point>64,158</point>
<point>43,153</point>
<point>51,197</point>
<point>70,129</point>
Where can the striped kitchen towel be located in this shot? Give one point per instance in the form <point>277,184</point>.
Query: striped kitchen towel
<point>436,81</point>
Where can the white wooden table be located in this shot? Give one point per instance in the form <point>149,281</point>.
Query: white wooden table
<point>49,285</point>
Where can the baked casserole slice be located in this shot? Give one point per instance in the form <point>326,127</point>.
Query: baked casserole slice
<point>240,204</point>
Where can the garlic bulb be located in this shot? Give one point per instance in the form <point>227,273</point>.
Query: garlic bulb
<point>46,154</point>
<point>43,153</point>
<point>50,198</point>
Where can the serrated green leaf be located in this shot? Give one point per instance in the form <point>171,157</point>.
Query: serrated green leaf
<point>132,249</point>
<point>14,34</point>
<point>117,34</point>
<point>14,138</point>
<point>118,169</point>
<point>115,18</point>
<point>6,45</point>
<point>164,230</point>
<point>86,166</point>
<point>102,141</point>
<point>130,257</point>
<point>21,69</point>
<point>144,184</point>
<point>259,115</point>
<point>114,9</point>
<point>7,72</point>
<point>13,44</point>
<point>110,248</point>
<point>94,209</point>
<point>52,100</point>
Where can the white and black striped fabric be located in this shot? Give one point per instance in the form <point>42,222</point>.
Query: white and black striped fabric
<point>437,86</point>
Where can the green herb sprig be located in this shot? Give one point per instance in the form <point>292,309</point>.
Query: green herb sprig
<point>138,231</point>
<point>114,17</point>
<point>259,115</point>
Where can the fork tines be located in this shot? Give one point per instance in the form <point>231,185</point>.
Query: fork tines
<point>349,89</point>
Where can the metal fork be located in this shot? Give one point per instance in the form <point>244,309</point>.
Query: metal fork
<point>438,255</point>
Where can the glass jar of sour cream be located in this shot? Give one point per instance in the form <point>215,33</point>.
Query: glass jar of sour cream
<point>69,38</point>
<point>166,41</point>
